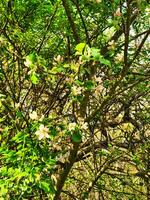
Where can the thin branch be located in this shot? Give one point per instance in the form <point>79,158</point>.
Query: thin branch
<point>47,29</point>
<point>71,21</point>
<point>140,47</point>
<point>64,175</point>
<point>83,22</point>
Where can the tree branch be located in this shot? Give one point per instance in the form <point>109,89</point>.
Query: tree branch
<point>71,22</point>
<point>67,168</point>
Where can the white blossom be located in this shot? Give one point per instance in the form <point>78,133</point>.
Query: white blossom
<point>119,57</point>
<point>41,118</point>
<point>71,126</point>
<point>42,133</point>
<point>33,115</point>
<point>76,90</point>
<point>17,105</point>
<point>98,79</point>
<point>58,58</point>
<point>111,45</point>
<point>28,62</point>
<point>84,125</point>
<point>99,89</point>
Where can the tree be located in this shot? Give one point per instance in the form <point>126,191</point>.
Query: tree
<point>74,99</point>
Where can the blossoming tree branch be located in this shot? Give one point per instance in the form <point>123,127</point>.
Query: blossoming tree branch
<point>74,99</point>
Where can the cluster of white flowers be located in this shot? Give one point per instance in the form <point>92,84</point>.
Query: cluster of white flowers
<point>42,132</point>
<point>76,90</point>
<point>109,32</point>
<point>84,125</point>
<point>28,62</point>
<point>33,115</point>
<point>96,1</point>
<point>111,45</point>
<point>17,105</point>
<point>98,79</point>
<point>72,126</point>
<point>147,11</point>
<point>99,89</point>
<point>119,57</point>
<point>57,59</point>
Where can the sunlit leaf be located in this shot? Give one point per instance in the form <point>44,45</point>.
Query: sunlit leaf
<point>34,78</point>
<point>79,48</point>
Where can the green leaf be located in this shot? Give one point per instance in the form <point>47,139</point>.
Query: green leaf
<point>96,54</point>
<point>45,186</point>
<point>19,114</point>
<point>32,57</point>
<point>85,195</point>
<point>34,79</point>
<point>106,83</point>
<point>78,82</point>
<point>19,137</point>
<point>57,69</point>
<point>89,85</point>
<point>79,48</point>
<point>104,61</point>
<point>77,137</point>
<point>4,190</point>
<point>51,162</point>
<point>53,131</point>
<point>136,160</point>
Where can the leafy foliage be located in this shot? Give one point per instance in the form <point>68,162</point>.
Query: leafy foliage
<point>74,99</point>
